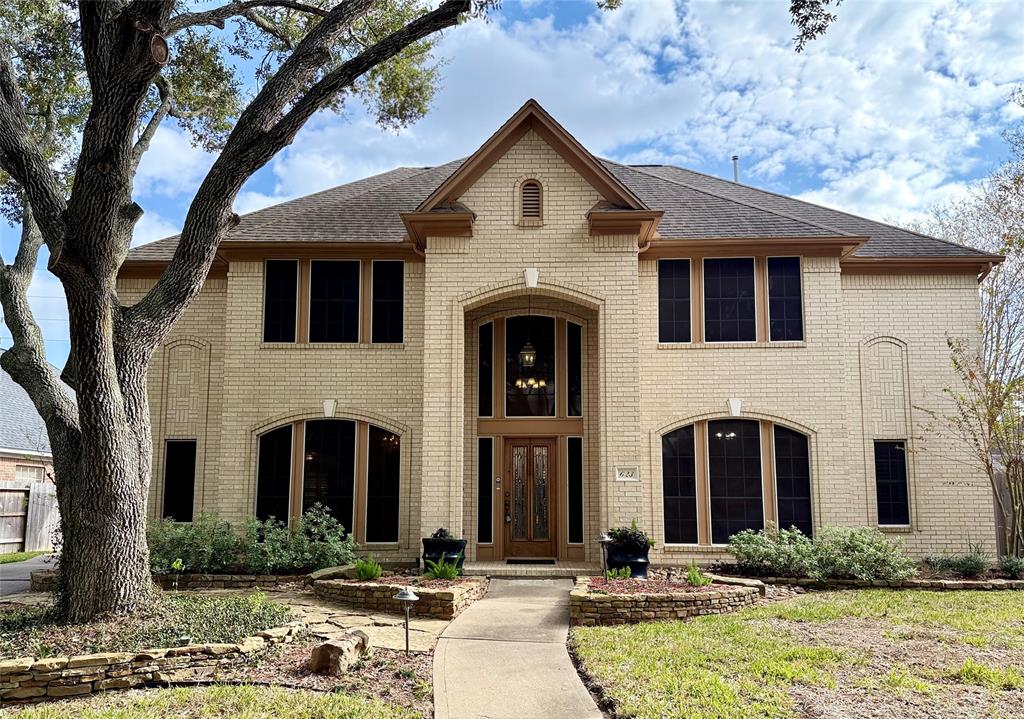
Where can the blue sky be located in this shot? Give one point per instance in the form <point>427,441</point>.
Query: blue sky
<point>898,108</point>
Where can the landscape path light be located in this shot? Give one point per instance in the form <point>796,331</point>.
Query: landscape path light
<point>604,540</point>
<point>407,597</point>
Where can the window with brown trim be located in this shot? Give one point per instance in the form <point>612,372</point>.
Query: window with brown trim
<point>674,301</point>
<point>785,301</point>
<point>280,300</point>
<point>388,296</point>
<point>179,479</point>
<point>530,201</point>
<point>574,487</point>
<point>891,491</point>
<point>720,477</point>
<point>679,485</point>
<point>530,390</point>
<point>485,370</point>
<point>383,481</point>
<point>334,301</point>
<point>730,306</point>
<point>329,468</point>
<point>485,489</point>
<point>274,474</point>
<point>574,369</point>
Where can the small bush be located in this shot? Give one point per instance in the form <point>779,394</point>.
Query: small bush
<point>1012,567</point>
<point>442,533</point>
<point>368,569</point>
<point>863,553</point>
<point>837,553</point>
<point>773,552</point>
<point>443,569</point>
<point>969,566</point>
<point>207,544</point>
<point>620,573</point>
<point>695,577</point>
<point>211,546</point>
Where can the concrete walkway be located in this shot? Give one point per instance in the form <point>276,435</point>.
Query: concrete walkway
<point>16,577</point>
<point>505,657</point>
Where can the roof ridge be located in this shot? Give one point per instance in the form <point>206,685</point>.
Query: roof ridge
<point>822,207</point>
<point>809,223</point>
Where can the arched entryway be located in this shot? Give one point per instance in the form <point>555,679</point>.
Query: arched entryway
<point>532,439</point>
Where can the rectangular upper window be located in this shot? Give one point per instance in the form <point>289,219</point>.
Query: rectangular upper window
<point>891,483</point>
<point>29,473</point>
<point>334,301</point>
<point>388,294</point>
<point>785,305</point>
<point>280,300</point>
<point>730,308</point>
<point>673,300</point>
<point>179,479</point>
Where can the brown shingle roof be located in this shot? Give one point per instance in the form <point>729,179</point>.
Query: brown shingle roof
<point>695,205</point>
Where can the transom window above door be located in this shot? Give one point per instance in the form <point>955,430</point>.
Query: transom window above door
<point>530,366</point>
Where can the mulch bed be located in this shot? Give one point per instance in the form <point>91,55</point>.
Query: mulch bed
<point>413,581</point>
<point>647,586</point>
<point>385,674</point>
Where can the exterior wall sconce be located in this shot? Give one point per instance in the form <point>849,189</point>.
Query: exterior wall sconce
<point>329,406</point>
<point>735,407</point>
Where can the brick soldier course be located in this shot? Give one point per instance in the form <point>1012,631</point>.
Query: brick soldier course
<point>877,305</point>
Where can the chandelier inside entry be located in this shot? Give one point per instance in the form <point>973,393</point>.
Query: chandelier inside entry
<point>528,356</point>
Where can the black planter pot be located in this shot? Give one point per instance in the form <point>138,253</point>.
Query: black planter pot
<point>451,548</point>
<point>632,557</point>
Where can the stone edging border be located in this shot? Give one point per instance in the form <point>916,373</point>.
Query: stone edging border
<point>377,596</point>
<point>589,609</point>
<point>45,580</point>
<point>29,680</point>
<point>942,585</point>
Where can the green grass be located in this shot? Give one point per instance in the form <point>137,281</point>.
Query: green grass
<point>741,667</point>
<point>711,667</point>
<point>975,618</point>
<point>242,702</point>
<point>18,557</point>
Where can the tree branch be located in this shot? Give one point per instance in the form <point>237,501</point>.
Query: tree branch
<point>217,16</point>
<point>256,138</point>
<point>23,159</point>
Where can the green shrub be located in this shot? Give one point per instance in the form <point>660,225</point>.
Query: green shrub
<point>443,569</point>
<point>860,553</point>
<point>211,546</point>
<point>773,552</point>
<point>837,553</point>
<point>206,545</point>
<point>1013,567</point>
<point>969,566</point>
<point>695,577</point>
<point>619,573</point>
<point>630,539</point>
<point>368,569</point>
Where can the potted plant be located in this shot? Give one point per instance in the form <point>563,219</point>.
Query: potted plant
<point>629,548</point>
<point>441,543</point>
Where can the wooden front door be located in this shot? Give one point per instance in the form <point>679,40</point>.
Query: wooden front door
<point>530,499</point>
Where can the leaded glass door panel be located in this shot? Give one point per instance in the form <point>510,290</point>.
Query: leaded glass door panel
<point>529,499</point>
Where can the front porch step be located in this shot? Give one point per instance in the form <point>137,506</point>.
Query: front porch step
<point>558,570</point>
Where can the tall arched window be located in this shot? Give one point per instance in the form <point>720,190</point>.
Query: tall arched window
<point>679,481</point>
<point>793,480</point>
<point>530,201</point>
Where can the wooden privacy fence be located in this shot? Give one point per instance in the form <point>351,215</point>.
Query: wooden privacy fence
<point>28,516</point>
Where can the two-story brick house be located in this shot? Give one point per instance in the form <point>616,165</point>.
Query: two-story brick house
<point>531,345</point>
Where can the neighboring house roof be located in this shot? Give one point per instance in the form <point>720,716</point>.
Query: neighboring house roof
<point>21,427</point>
<point>695,206</point>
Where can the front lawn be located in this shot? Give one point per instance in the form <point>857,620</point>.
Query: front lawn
<point>237,702</point>
<point>836,654</point>
<point>38,632</point>
<point>19,556</point>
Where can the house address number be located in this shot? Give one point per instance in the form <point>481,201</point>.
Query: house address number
<point>627,474</point>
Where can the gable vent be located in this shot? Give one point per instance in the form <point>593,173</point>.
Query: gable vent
<point>531,200</point>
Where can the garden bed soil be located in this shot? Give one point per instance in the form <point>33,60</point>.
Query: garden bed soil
<point>647,586</point>
<point>385,674</point>
<point>441,599</point>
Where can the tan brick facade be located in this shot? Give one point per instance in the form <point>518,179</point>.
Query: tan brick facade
<point>873,360</point>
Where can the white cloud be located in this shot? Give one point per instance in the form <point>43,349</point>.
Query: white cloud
<point>172,165</point>
<point>152,227</point>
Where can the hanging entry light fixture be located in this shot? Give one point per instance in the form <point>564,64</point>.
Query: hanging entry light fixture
<point>528,355</point>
